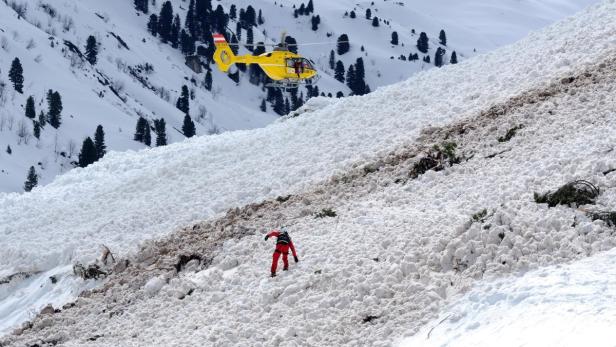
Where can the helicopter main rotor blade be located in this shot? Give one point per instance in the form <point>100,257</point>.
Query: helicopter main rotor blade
<point>288,44</point>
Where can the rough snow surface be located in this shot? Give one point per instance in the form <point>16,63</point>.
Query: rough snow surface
<point>568,305</point>
<point>393,255</point>
<point>149,193</point>
<point>337,284</point>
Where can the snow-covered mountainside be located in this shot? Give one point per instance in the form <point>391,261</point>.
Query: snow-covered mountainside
<point>570,305</point>
<point>138,76</point>
<point>394,207</point>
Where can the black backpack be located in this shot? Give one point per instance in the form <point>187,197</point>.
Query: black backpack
<point>283,238</point>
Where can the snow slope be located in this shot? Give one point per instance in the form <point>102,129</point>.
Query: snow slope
<point>568,305</point>
<point>48,64</point>
<point>228,106</point>
<point>232,169</point>
<point>395,252</point>
<point>155,191</point>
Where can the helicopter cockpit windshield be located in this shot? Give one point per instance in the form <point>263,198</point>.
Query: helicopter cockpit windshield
<point>299,64</point>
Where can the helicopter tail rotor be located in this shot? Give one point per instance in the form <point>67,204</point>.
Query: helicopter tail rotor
<point>223,56</point>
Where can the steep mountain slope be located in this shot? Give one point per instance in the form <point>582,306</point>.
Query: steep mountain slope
<point>570,305</point>
<point>38,39</point>
<point>426,220</point>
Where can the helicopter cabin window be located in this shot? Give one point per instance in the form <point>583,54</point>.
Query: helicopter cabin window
<point>299,64</point>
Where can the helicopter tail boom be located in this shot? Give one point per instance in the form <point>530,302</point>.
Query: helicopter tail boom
<point>223,56</point>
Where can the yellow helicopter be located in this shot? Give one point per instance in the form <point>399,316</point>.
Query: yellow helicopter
<point>285,68</point>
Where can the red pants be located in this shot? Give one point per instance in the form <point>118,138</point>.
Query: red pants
<point>284,250</point>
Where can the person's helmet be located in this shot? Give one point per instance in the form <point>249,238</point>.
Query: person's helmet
<point>283,229</point>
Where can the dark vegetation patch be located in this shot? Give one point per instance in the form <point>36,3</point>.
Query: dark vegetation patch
<point>369,318</point>
<point>437,159</point>
<point>283,198</point>
<point>510,134</point>
<point>326,212</point>
<point>577,193</point>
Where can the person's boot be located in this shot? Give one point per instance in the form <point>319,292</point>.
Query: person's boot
<point>273,274</point>
<point>285,268</point>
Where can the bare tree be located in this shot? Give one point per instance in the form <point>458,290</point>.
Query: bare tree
<point>23,132</point>
<point>4,43</point>
<point>72,146</point>
<point>9,122</point>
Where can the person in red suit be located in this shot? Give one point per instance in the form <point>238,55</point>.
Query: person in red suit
<point>283,243</point>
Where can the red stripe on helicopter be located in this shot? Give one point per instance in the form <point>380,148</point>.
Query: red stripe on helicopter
<point>218,38</point>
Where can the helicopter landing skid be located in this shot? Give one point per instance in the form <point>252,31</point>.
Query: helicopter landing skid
<point>292,83</point>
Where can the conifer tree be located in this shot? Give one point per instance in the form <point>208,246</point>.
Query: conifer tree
<point>287,106</point>
<point>153,24</point>
<point>208,80</point>
<point>302,9</point>
<point>309,7</point>
<point>140,130</point>
<point>37,130</point>
<point>183,102</point>
<point>332,59</point>
<point>9,150</point>
<point>350,77</point>
<point>339,71</point>
<point>234,45</point>
<point>87,155</point>
<point>260,18</point>
<point>30,111</point>
<point>31,180</point>
<point>454,58</point>
<point>368,13</point>
<point>279,103</point>
<point>232,11</point>
<point>249,39</point>
<point>188,128</point>
<point>174,36</point>
<point>375,21</point>
<point>191,21</point>
<point>352,15</point>
<point>394,38</point>
<point>42,119</point>
<point>220,19</point>
<point>422,43</point>
<point>16,75</point>
<point>238,31</point>
<point>263,106</point>
<point>161,132</point>
<point>360,73</point>
<point>165,21</point>
<point>443,38</point>
<point>147,134</point>
<point>316,20</point>
<point>343,45</point>
<point>141,5</point>
<point>187,43</point>
<point>91,50</point>
<point>251,16</point>
<point>54,101</point>
<point>99,142</point>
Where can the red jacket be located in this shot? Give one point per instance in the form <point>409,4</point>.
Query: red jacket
<point>281,244</point>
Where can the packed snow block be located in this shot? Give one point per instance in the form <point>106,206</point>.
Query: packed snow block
<point>183,260</point>
<point>153,286</point>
